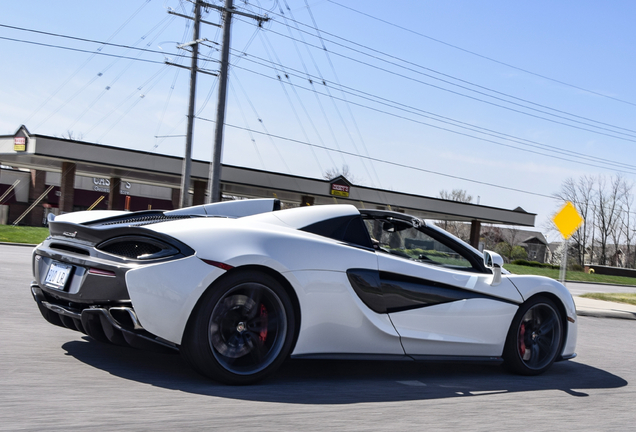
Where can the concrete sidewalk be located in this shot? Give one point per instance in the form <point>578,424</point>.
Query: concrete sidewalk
<point>604,309</point>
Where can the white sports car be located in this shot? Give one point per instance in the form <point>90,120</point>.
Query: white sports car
<point>239,286</point>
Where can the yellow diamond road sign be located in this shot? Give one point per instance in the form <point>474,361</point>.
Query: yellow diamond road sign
<point>567,220</point>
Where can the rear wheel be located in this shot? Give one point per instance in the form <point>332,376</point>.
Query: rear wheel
<point>535,337</point>
<point>242,329</point>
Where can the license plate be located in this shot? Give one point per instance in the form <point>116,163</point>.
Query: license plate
<point>57,275</point>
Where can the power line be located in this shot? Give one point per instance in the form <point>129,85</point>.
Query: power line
<point>393,73</point>
<point>322,109</point>
<point>93,54</point>
<point>168,21</point>
<point>447,120</point>
<point>133,93</point>
<point>392,57</point>
<point>353,118</point>
<point>567,159</point>
<point>258,153</point>
<point>83,51</point>
<point>484,57</point>
<point>129,47</point>
<point>309,118</point>
<point>384,161</point>
<point>335,105</point>
<point>158,75</point>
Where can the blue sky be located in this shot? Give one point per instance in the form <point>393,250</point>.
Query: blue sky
<point>389,70</point>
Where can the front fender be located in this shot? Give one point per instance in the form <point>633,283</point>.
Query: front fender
<point>529,286</point>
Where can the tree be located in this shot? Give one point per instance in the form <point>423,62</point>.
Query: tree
<point>582,194</point>
<point>504,242</point>
<point>511,252</point>
<point>73,136</point>
<point>458,229</point>
<point>627,229</point>
<point>608,227</point>
<point>344,171</point>
<point>491,236</point>
<point>459,195</point>
<point>608,210</point>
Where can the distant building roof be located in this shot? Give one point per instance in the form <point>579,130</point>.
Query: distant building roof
<point>46,153</point>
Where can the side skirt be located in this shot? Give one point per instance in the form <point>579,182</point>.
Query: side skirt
<point>389,357</point>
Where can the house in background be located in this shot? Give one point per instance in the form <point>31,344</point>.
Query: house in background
<point>536,245</point>
<point>534,242</point>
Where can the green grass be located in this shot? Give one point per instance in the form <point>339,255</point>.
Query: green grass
<point>570,275</point>
<point>629,298</point>
<point>20,234</point>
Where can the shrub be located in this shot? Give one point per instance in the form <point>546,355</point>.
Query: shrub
<point>527,263</point>
<point>511,253</point>
<point>576,267</point>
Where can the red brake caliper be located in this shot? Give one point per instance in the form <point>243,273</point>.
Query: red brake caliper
<point>263,333</point>
<point>522,344</point>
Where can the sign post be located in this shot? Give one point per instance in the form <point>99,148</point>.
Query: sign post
<point>567,221</point>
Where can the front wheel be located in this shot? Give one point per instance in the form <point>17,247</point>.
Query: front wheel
<point>242,329</point>
<point>535,337</point>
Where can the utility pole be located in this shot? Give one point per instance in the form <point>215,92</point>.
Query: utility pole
<point>214,189</point>
<point>214,184</point>
<point>187,159</point>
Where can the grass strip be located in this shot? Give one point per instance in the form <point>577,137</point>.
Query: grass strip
<point>629,298</point>
<point>22,234</point>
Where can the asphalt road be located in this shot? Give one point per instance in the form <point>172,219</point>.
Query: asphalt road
<point>56,379</point>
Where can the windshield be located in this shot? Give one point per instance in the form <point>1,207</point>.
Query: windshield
<point>414,240</point>
<point>432,226</point>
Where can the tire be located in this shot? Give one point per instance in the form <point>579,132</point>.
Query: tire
<point>535,338</point>
<point>242,329</point>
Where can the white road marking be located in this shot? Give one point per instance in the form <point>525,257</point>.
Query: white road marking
<point>413,383</point>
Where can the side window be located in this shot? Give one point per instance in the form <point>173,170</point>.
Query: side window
<point>402,239</point>
<point>348,229</point>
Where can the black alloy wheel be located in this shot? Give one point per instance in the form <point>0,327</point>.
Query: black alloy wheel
<point>242,329</point>
<point>535,338</point>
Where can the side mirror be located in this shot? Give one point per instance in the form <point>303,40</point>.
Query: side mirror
<point>494,261</point>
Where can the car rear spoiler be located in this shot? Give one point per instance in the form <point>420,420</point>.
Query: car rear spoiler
<point>231,209</point>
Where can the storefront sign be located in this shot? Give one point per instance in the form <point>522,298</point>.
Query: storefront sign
<point>339,189</point>
<point>19,143</point>
<point>103,185</point>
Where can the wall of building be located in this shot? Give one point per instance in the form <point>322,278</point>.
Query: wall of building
<point>88,191</point>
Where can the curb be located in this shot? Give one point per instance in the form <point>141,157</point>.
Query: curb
<point>17,244</point>
<point>599,283</point>
<point>603,309</point>
<point>606,314</point>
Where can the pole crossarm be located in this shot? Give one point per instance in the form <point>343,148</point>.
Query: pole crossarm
<point>232,10</point>
<point>192,18</point>
<point>187,44</point>
<point>188,68</point>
